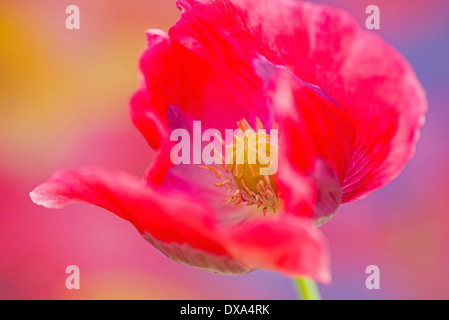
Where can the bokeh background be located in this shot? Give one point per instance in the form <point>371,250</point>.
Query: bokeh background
<point>64,103</point>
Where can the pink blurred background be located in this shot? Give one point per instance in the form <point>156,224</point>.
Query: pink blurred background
<point>64,103</point>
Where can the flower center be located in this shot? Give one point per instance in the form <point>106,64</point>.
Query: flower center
<point>247,168</point>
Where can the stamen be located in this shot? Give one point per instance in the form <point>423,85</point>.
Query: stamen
<point>223,183</point>
<point>241,175</point>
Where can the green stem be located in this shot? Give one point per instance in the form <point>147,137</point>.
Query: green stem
<point>307,289</point>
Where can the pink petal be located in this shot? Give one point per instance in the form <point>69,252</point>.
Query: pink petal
<point>156,132</point>
<point>317,143</point>
<point>186,254</point>
<point>179,226</point>
<point>289,245</point>
<point>197,88</point>
<point>315,127</point>
<point>154,96</point>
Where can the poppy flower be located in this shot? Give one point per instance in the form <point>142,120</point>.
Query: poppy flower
<point>347,107</point>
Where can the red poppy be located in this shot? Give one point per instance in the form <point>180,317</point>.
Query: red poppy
<point>348,108</point>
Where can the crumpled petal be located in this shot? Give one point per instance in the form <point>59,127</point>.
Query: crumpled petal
<point>172,219</point>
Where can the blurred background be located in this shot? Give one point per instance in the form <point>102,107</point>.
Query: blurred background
<point>64,103</point>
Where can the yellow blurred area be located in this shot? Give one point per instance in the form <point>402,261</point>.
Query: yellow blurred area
<point>57,82</point>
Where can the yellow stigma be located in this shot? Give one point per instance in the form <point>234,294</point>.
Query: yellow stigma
<point>242,170</point>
